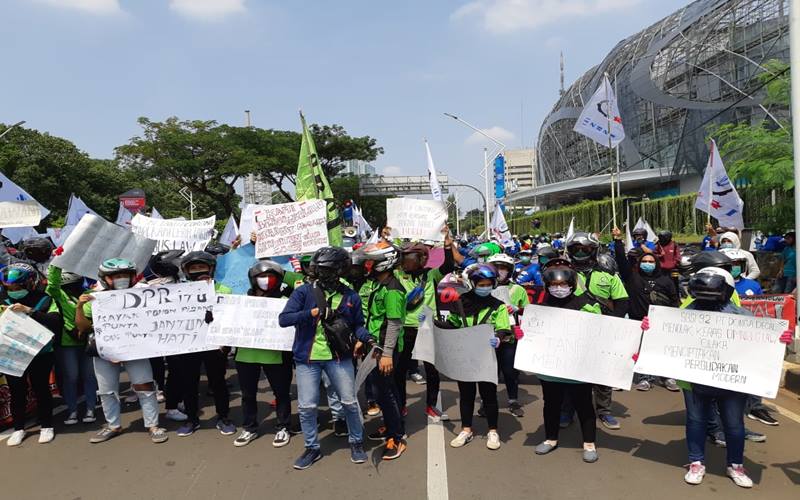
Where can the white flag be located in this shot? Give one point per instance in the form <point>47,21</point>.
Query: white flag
<point>642,224</point>
<point>59,234</point>
<point>155,215</point>
<point>9,191</point>
<point>594,119</point>
<point>77,209</point>
<point>628,237</point>
<point>124,217</point>
<point>717,195</point>
<point>362,226</point>
<point>230,232</point>
<point>17,234</point>
<point>436,189</point>
<point>571,229</point>
<point>499,228</point>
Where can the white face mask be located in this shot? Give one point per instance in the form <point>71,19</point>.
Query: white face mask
<point>121,283</point>
<point>262,282</point>
<point>560,291</point>
<point>502,275</point>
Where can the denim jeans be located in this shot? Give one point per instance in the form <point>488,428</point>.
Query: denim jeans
<point>334,403</point>
<point>75,366</point>
<point>139,372</point>
<point>699,408</point>
<point>342,378</point>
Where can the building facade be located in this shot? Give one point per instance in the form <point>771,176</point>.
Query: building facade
<point>358,168</point>
<point>520,169</point>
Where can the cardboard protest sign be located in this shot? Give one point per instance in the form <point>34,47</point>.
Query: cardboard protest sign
<point>578,345</point>
<point>153,321</point>
<point>173,234</point>
<point>247,221</point>
<point>20,213</point>
<point>291,228</point>
<point>246,321</point>
<point>94,240</point>
<point>735,352</point>
<point>21,339</point>
<point>416,219</point>
<point>232,268</point>
<point>462,354</point>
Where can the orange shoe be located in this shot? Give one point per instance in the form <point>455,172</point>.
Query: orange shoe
<point>393,449</point>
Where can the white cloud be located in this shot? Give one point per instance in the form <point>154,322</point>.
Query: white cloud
<point>508,16</point>
<point>207,10</point>
<point>90,6</point>
<point>497,132</point>
<point>392,170</point>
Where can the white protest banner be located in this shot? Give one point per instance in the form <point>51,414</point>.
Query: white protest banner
<point>171,234</point>
<point>9,191</point>
<point>291,228</point>
<point>578,345</point>
<point>245,321</point>
<point>59,234</point>
<point>152,321</point>
<point>735,352</point>
<point>21,338</point>
<point>416,219</point>
<point>247,221</point>
<point>94,240</point>
<point>462,354</point>
<point>20,213</point>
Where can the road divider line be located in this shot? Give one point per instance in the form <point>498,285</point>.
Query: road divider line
<point>437,459</point>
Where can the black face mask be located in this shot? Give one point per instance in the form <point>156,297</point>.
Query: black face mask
<point>198,275</point>
<point>74,290</point>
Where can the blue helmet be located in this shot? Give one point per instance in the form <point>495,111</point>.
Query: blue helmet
<point>483,272</point>
<point>18,273</point>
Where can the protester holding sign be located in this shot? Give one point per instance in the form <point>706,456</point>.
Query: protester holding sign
<point>119,274</point>
<point>266,279</point>
<point>21,296</point>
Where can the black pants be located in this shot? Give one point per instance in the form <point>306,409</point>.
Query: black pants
<point>168,383</point>
<point>279,378</point>
<point>466,402</point>
<point>387,394</point>
<point>39,373</point>
<point>189,372</point>
<point>405,362</point>
<point>505,364</point>
<point>581,397</point>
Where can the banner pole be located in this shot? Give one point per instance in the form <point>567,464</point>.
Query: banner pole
<point>610,151</point>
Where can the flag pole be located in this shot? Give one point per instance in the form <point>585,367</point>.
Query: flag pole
<point>610,150</point>
<point>710,168</point>
<point>794,59</point>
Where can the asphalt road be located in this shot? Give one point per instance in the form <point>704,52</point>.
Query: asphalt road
<point>644,459</point>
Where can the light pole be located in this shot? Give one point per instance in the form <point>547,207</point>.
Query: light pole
<point>19,123</point>
<point>794,59</point>
<point>499,147</point>
<point>188,196</point>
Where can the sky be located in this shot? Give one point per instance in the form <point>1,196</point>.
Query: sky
<point>87,69</point>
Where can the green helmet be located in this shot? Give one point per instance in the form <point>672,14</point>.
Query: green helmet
<point>116,266</point>
<point>485,250</point>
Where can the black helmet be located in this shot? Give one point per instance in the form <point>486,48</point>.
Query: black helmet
<point>639,231</point>
<point>198,257</point>
<point>70,278</point>
<point>166,264</point>
<point>37,249</point>
<point>560,270</point>
<point>546,253</point>
<point>704,260</point>
<point>264,266</point>
<point>582,249</point>
<point>217,249</point>
<point>664,237</point>
<point>607,263</point>
<point>712,284</point>
<point>329,264</point>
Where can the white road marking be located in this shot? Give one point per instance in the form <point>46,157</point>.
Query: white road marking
<point>437,460</point>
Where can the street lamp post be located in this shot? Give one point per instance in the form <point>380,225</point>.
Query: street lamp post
<point>19,123</point>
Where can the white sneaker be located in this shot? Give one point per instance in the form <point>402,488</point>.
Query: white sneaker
<point>71,419</point>
<point>695,474</point>
<point>16,437</point>
<point>463,438</point>
<point>46,435</point>
<point>281,439</point>
<point>739,476</point>
<point>89,418</point>
<point>176,416</point>
<point>493,440</point>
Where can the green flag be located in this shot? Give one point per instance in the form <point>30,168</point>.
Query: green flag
<point>311,184</point>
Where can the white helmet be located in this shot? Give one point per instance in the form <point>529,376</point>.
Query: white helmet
<point>501,258</point>
<point>384,255</point>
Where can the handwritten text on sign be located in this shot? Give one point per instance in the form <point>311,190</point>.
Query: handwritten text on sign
<point>186,235</point>
<point>21,338</point>
<point>291,228</point>
<point>578,345</point>
<point>416,219</point>
<point>152,321</point>
<point>244,321</point>
<point>735,352</point>
<point>19,213</point>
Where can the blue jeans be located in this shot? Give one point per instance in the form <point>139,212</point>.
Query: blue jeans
<point>75,365</point>
<point>699,410</point>
<point>334,403</point>
<point>342,378</point>
<point>139,372</point>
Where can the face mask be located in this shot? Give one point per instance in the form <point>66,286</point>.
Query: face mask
<point>726,245</point>
<point>560,291</point>
<point>647,267</point>
<point>17,294</point>
<point>483,291</point>
<point>502,274</point>
<point>121,283</point>
<point>266,282</point>
<point>543,260</point>
<point>525,259</point>
<point>736,271</point>
<point>197,275</point>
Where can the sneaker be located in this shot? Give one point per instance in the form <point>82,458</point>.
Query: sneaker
<point>695,473</point>
<point>609,422</point>
<point>281,438</point>
<point>718,440</point>
<point>357,453</point>
<point>340,428</point>
<point>463,438</point>
<point>71,419</point>
<point>187,429</point>
<point>671,385</point>
<point>379,435</point>
<point>176,416</point>
<point>590,456</point>
<point>565,421</point>
<point>160,397</point>
<point>393,449</point>
<point>244,438</point>
<point>89,417</point>
<point>226,427</point>
<point>739,476</point>
<point>46,434</point>
<point>755,437</point>
<point>307,459</point>
<point>131,399</point>
<point>105,434</point>
<point>516,409</point>
<point>544,448</point>
<point>158,435</point>
<point>436,414</point>
<point>418,379</point>
<point>481,411</point>
<point>16,438</point>
<point>493,440</point>
<point>762,416</point>
<point>373,410</point>
<point>643,386</point>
